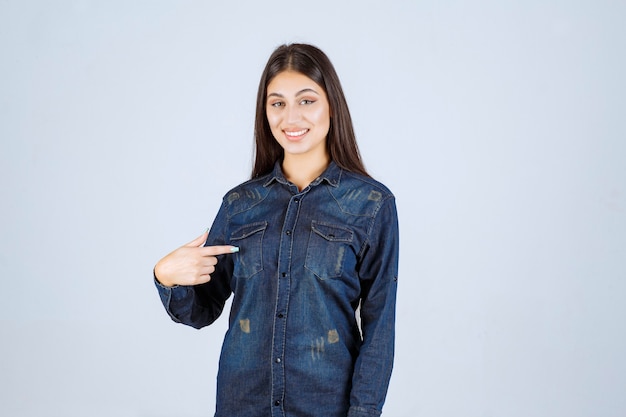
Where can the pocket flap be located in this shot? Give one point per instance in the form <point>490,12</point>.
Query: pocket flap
<point>332,232</point>
<point>248,230</point>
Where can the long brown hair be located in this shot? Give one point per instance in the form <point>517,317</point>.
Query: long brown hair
<point>313,63</point>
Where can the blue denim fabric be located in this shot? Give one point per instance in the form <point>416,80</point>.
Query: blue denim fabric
<point>306,260</point>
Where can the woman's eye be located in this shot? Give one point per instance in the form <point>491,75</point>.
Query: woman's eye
<point>307,101</point>
<point>277,104</point>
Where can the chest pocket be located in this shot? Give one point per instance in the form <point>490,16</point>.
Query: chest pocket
<point>249,260</point>
<point>328,246</point>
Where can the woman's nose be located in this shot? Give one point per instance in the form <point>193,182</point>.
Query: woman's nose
<point>293,114</point>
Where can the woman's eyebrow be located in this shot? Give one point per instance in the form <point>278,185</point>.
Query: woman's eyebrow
<point>306,90</point>
<point>303,91</point>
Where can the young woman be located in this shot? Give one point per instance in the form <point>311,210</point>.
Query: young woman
<point>300,246</point>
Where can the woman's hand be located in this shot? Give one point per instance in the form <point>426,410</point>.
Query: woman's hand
<point>191,264</point>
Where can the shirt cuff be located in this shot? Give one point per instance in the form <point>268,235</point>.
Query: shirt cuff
<point>363,412</point>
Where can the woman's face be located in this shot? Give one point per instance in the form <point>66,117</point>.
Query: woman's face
<point>298,114</point>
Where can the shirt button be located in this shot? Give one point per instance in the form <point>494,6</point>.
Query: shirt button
<point>288,232</point>
<point>278,360</point>
<point>284,274</point>
<point>281,315</point>
<point>296,200</point>
<point>277,403</point>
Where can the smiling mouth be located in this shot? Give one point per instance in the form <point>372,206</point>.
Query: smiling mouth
<point>297,133</point>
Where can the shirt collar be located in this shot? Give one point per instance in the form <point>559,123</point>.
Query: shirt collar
<point>332,175</point>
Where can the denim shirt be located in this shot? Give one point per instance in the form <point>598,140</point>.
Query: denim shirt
<point>306,260</point>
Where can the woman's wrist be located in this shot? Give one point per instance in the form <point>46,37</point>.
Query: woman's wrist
<point>158,275</point>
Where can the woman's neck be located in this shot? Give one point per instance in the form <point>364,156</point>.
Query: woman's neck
<point>301,171</point>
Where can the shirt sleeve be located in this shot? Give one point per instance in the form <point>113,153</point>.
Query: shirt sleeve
<point>200,305</point>
<point>378,272</point>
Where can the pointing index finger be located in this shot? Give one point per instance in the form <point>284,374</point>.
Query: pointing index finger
<point>220,250</point>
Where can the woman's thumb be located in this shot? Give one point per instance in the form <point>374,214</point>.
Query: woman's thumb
<point>199,241</point>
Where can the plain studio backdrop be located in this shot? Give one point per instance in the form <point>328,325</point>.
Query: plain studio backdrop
<point>499,125</point>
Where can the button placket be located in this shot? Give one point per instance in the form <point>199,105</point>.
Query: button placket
<point>282,304</point>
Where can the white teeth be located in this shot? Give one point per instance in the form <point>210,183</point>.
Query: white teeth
<point>298,133</point>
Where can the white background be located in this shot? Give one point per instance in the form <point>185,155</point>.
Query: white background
<point>499,125</point>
